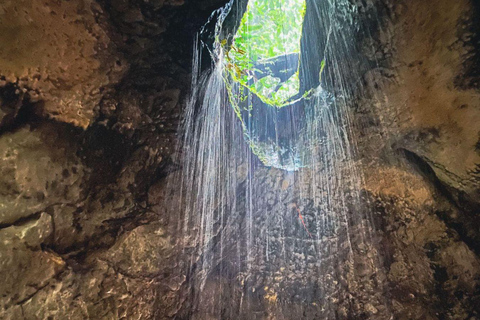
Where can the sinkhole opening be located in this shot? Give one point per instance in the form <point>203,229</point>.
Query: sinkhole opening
<point>265,53</point>
<point>271,59</point>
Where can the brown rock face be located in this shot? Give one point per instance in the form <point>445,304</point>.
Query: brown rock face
<point>425,105</point>
<point>435,115</point>
<point>91,95</point>
<point>35,173</point>
<point>78,239</point>
<point>59,54</point>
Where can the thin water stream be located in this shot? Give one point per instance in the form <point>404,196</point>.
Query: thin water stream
<point>271,194</point>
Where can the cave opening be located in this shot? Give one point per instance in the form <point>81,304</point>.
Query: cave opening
<point>326,166</point>
<point>269,179</point>
<point>272,60</point>
<point>265,52</point>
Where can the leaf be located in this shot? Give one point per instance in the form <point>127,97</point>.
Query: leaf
<point>322,67</point>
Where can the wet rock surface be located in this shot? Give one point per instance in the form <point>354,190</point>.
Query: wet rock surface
<point>38,170</point>
<point>59,53</point>
<point>91,94</point>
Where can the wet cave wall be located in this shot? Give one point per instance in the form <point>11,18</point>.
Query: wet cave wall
<point>91,94</point>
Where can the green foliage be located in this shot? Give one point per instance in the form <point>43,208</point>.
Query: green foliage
<point>322,67</point>
<point>269,28</point>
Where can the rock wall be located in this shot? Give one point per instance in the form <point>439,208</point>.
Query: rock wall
<point>419,152</point>
<point>90,98</point>
<point>59,53</point>
<point>91,93</point>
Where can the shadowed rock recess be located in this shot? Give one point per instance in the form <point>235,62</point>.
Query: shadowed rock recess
<point>91,95</point>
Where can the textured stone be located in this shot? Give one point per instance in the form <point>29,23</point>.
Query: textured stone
<point>25,268</point>
<point>146,251</point>
<point>62,64</point>
<point>59,54</point>
<point>434,118</point>
<point>90,231</point>
<point>38,168</point>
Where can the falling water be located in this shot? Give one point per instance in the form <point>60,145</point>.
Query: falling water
<point>273,220</point>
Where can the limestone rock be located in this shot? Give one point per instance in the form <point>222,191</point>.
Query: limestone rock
<point>89,231</point>
<point>59,54</point>
<point>37,169</point>
<point>25,268</point>
<point>146,251</point>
